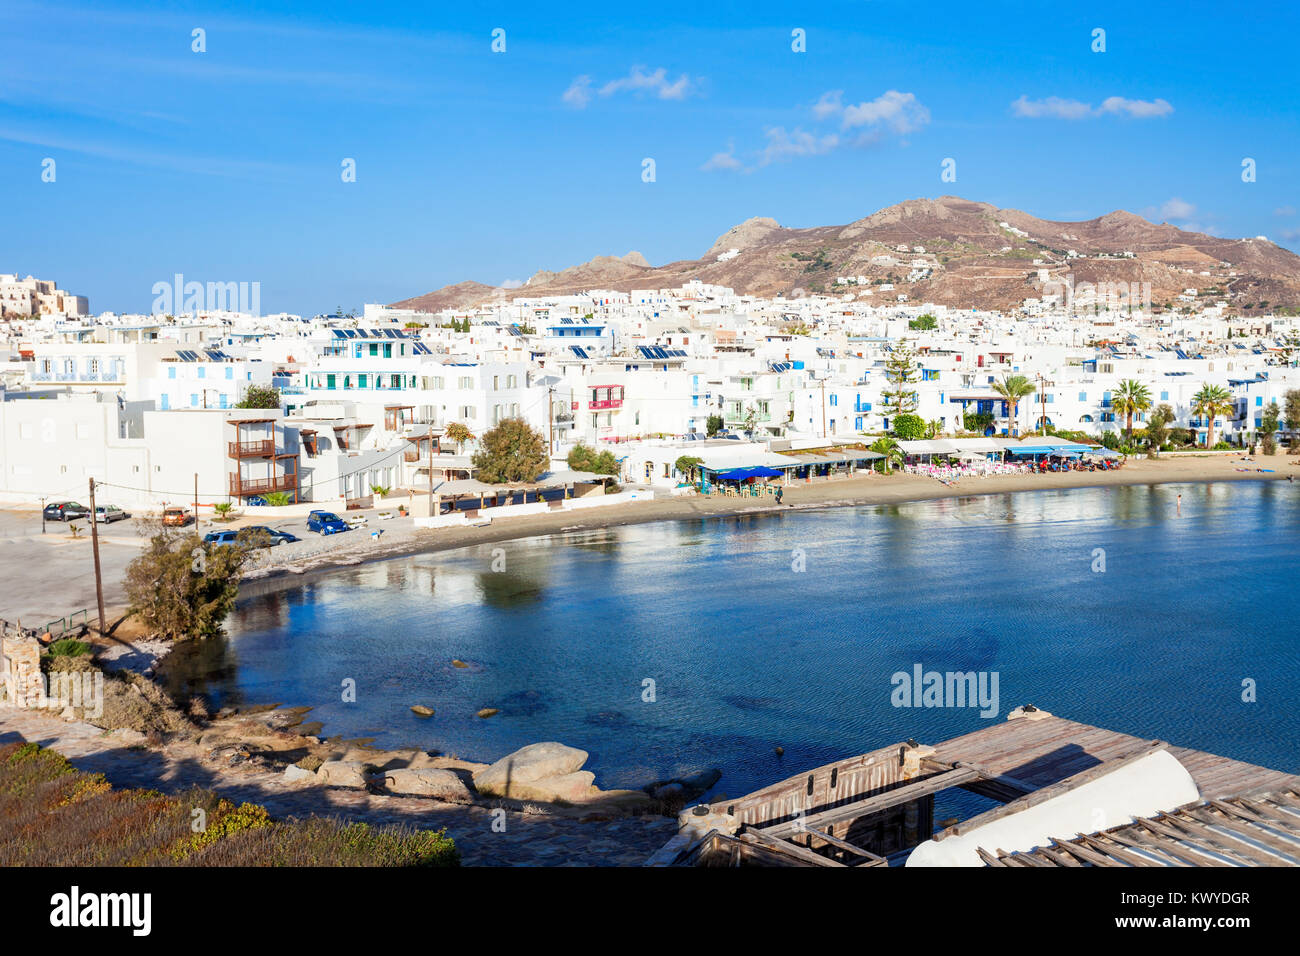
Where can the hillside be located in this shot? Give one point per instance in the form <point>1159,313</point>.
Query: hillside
<point>976,255</point>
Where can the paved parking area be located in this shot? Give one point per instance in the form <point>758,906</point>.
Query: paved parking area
<point>47,576</point>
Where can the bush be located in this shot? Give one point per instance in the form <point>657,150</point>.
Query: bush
<point>180,588</point>
<point>67,647</point>
<point>511,452</point>
<point>583,458</point>
<point>908,427</point>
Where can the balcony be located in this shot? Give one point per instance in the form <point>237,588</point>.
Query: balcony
<point>241,486</point>
<point>606,404</point>
<point>264,448</point>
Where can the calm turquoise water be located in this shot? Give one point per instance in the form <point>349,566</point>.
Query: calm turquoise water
<point>747,654</point>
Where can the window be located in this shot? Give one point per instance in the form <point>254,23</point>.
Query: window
<point>361,380</point>
<point>329,380</point>
<point>465,382</point>
<point>94,366</point>
<point>203,372</point>
<point>230,372</point>
<point>496,382</point>
<point>1164,396</point>
<point>1259,400</point>
<point>1083,396</point>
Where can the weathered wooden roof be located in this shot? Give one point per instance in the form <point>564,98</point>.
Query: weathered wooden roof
<point>1260,830</point>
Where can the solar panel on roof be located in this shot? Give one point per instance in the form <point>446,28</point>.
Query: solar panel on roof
<point>338,333</point>
<point>578,351</point>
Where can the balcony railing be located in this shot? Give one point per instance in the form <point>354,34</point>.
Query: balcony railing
<point>264,448</point>
<point>411,454</point>
<point>607,403</point>
<point>240,486</point>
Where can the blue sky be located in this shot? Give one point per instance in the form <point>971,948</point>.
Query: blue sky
<point>225,165</point>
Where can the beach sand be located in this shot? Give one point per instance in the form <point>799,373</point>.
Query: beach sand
<point>862,489</point>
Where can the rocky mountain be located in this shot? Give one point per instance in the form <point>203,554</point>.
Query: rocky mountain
<point>949,251</point>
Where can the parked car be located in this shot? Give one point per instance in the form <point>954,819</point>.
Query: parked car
<point>277,537</point>
<point>220,537</point>
<point>107,514</point>
<point>176,517</point>
<point>65,511</point>
<point>326,522</point>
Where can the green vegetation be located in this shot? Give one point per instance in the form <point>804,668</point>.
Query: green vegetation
<point>584,458</point>
<point>1210,402</point>
<point>815,261</point>
<point>260,396</point>
<point>923,323</point>
<point>179,587</point>
<point>889,448</point>
<point>380,491</point>
<point>900,371</point>
<point>1130,398</point>
<point>688,466</point>
<point>278,499</point>
<point>56,815</point>
<point>1158,431</point>
<point>714,425</point>
<point>1013,388</point>
<point>223,508</point>
<point>511,452</point>
<point>1293,419</point>
<point>977,421</point>
<point>68,648</point>
<point>457,325</point>
<point>908,427</point>
<point>1268,428</point>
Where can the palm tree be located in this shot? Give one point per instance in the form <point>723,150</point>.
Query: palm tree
<point>460,434</point>
<point>1130,398</point>
<point>888,447</point>
<point>1012,389</point>
<point>1212,401</point>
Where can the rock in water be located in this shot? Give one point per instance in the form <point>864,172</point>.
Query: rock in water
<point>421,711</point>
<point>488,712</point>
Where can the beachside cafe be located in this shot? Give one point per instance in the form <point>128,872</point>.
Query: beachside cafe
<point>1036,448</point>
<point>965,449</point>
<point>469,496</point>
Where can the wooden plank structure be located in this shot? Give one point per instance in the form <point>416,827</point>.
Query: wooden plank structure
<point>867,809</point>
<point>1262,829</point>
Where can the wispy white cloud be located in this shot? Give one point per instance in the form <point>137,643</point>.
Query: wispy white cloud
<point>1056,107</point>
<point>857,124</point>
<point>782,145</point>
<point>638,80</point>
<point>1176,208</point>
<point>1284,211</point>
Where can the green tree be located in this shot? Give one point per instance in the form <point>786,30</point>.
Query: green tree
<point>1293,420</point>
<point>899,397</point>
<point>1130,398</point>
<point>908,427</point>
<point>714,425</point>
<point>260,396</point>
<point>1158,429</point>
<point>179,587</point>
<point>511,452</point>
<point>1211,402</point>
<point>923,323</point>
<point>1268,428</point>
<point>1013,388</point>
<point>889,448</point>
<point>977,421</point>
<point>278,499</point>
<point>584,458</point>
<point>688,465</point>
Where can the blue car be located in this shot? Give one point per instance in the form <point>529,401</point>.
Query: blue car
<point>326,522</point>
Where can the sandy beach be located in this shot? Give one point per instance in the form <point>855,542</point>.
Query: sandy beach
<point>30,560</point>
<point>402,538</point>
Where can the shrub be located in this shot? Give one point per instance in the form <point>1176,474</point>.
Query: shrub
<point>511,452</point>
<point>908,427</point>
<point>67,647</point>
<point>180,588</point>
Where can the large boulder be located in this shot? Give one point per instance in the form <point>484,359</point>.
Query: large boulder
<point>342,773</point>
<point>427,782</point>
<point>528,765</point>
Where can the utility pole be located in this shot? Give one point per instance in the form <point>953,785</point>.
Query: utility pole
<point>196,499</point>
<point>94,542</point>
<point>431,514</point>
<point>43,500</point>
<point>550,421</point>
<point>823,385</point>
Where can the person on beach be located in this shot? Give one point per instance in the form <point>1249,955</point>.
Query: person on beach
<point>779,493</point>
